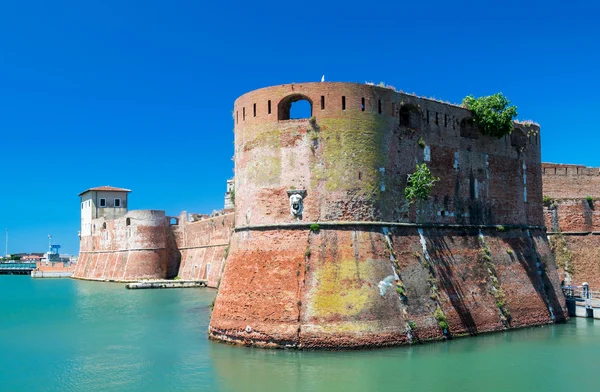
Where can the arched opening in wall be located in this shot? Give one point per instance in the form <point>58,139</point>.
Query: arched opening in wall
<point>468,128</point>
<point>173,221</point>
<point>518,138</point>
<point>104,226</point>
<point>128,222</point>
<point>294,107</point>
<point>409,116</point>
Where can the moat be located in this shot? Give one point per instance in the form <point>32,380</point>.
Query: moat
<point>64,334</point>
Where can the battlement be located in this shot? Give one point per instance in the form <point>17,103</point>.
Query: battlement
<point>560,169</point>
<point>563,181</point>
<point>339,99</point>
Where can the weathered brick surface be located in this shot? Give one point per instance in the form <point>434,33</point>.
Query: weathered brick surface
<point>569,211</point>
<point>291,287</point>
<point>203,246</point>
<point>136,246</point>
<point>319,290</point>
<point>144,245</point>
<point>345,159</point>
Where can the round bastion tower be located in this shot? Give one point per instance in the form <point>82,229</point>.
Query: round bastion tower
<point>328,253</point>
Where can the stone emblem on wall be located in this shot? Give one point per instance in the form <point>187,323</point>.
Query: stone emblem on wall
<point>296,202</point>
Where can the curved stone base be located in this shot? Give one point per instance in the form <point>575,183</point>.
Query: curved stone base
<point>300,289</point>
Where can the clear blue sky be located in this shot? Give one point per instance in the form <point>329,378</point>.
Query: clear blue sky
<point>139,94</point>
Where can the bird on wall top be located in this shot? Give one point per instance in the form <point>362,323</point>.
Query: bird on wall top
<point>323,78</point>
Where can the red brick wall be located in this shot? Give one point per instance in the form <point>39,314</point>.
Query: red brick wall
<point>320,290</point>
<point>344,160</point>
<point>133,247</point>
<point>201,244</point>
<point>570,212</point>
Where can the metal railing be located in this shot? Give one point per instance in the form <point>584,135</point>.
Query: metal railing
<point>582,294</point>
<point>16,266</point>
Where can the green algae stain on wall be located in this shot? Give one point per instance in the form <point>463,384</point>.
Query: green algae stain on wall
<point>341,288</point>
<point>265,171</point>
<point>352,145</point>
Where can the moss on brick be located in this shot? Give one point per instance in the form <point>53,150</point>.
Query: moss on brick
<point>354,144</point>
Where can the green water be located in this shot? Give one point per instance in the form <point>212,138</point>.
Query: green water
<point>68,335</point>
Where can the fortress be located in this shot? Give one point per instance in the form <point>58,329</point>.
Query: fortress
<point>322,248</point>
<point>472,258</point>
<point>123,246</point>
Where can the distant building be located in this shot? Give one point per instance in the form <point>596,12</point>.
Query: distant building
<point>101,202</point>
<point>230,195</point>
<point>31,257</point>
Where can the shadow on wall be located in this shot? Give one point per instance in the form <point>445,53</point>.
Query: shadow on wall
<point>173,255</point>
<point>526,253</point>
<point>442,257</point>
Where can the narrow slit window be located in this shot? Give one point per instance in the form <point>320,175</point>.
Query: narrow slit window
<point>322,102</point>
<point>254,110</point>
<point>427,116</point>
<point>343,102</point>
<point>362,104</point>
<point>445,120</point>
<point>244,114</point>
<point>269,106</point>
<point>379,106</point>
<point>237,117</point>
<point>436,119</point>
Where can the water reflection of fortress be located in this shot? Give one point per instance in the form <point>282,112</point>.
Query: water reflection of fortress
<point>320,220</point>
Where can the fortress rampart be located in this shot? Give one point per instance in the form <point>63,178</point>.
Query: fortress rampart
<point>472,258</point>
<point>573,220</point>
<point>147,244</point>
<point>203,246</point>
<point>135,246</point>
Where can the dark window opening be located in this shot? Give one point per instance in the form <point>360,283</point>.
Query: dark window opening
<point>410,116</point>
<point>436,119</point>
<point>254,110</point>
<point>445,120</point>
<point>427,114</point>
<point>359,175</point>
<point>237,117</point>
<point>293,107</point>
<point>104,225</point>
<point>518,138</point>
<point>128,222</point>
<point>468,129</point>
<point>343,102</point>
<point>269,106</point>
<point>322,102</point>
<point>117,202</point>
<point>379,106</point>
<point>243,114</point>
<point>362,104</point>
<point>102,202</point>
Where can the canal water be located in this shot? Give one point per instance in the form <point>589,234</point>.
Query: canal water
<point>69,335</point>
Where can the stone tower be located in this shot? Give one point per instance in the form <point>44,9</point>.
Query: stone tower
<point>328,253</point>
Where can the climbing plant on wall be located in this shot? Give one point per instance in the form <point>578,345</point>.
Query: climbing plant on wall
<point>493,114</point>
<point>419,184</point>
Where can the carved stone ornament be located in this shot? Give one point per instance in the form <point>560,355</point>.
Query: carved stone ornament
<point>296,202</point>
